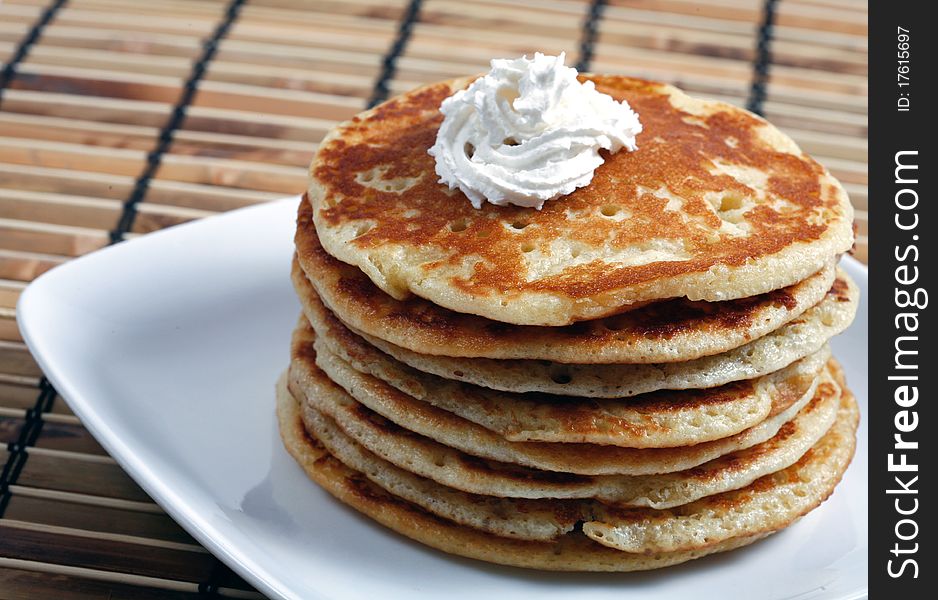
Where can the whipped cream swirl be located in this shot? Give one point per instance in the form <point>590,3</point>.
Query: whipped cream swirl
<point>528,132</point>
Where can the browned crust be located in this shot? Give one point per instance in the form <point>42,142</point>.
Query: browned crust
<point>677,150</point>
<point>828,452</point>
<point>565,458</point>
<point>588,418</point>
<point>572,552</point>
<point>313,456</point>
<point>645,333</point>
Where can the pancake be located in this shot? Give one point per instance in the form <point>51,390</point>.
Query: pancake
<point>768,504</point>
<point>569,553</point>
<point>797,339</point>
<point>715,204</point>
<point>412,460</point>
<point>667,331</point>
<point>616,528</point>
<point>510,517</point>
<point>347,404</point>
<point>543,519</point>
<point>655,420</point>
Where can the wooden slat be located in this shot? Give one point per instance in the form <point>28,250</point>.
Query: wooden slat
<point>78,183</point>
<point>205,197</point>
<point>49,239</point>
<point>77,131</point>
<point>68,436</point>
<point>352,62</point>
<point>14,13</point>
<point>249,175</point>
<point>309,128</point>
<point>59,209</point>
<point>16,360</point>
<point>32,580</point>
<point>111,555</point>
<point>139,17</point>
<point>255,149</point>
<point>9,331</point>
<point>861,248</point>
<point>79,473</point>
<point>859,195</point>
<point>96,108</point>
<point>153,217</point>
<point>17,396</point>
<point>58,35</point>
<point>76,157</point>
<point>21,395</point>
<point>26,266</point>
<point>108,60</point>
<point>11,422</point>
<point>9,293</point>
<point>863,222</point>
<point>155,529</point>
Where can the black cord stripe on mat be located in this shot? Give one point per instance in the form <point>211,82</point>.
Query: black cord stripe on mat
<point>405,27</point>
<point>216,579</point>
<point>589,34</point>
<point>29,433</point>
<point>165,140</point>
<point>22,49</point>
<point>32,425</point>
<point>763,59</point>
<point>209,589</point>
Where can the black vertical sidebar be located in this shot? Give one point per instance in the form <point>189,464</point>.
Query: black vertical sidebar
<point>902,415</point>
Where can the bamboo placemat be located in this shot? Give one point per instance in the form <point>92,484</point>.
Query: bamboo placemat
<point>122,117</point>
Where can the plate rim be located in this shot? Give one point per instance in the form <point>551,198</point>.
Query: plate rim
<point>126,458</point>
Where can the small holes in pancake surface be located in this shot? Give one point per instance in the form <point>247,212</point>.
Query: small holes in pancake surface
<point>460,225</point>
<point>394,186</point>
<point>362,229</point>
<point>527,247</point>
<point>519,225</point>
<point>729,202</point>
<point>561,377</point>
<point>375,179</point>
<point>731,208</point>
<point>609,210</point>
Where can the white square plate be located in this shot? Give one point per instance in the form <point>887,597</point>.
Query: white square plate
<point>167,347</point>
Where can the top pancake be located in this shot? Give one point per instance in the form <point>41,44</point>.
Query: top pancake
<point>666,331</point>
<point>716,204</point>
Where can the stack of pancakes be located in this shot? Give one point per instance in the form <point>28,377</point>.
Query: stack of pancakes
<point>632,377</point>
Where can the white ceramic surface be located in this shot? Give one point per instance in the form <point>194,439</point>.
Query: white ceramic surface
<point>168,347</point>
